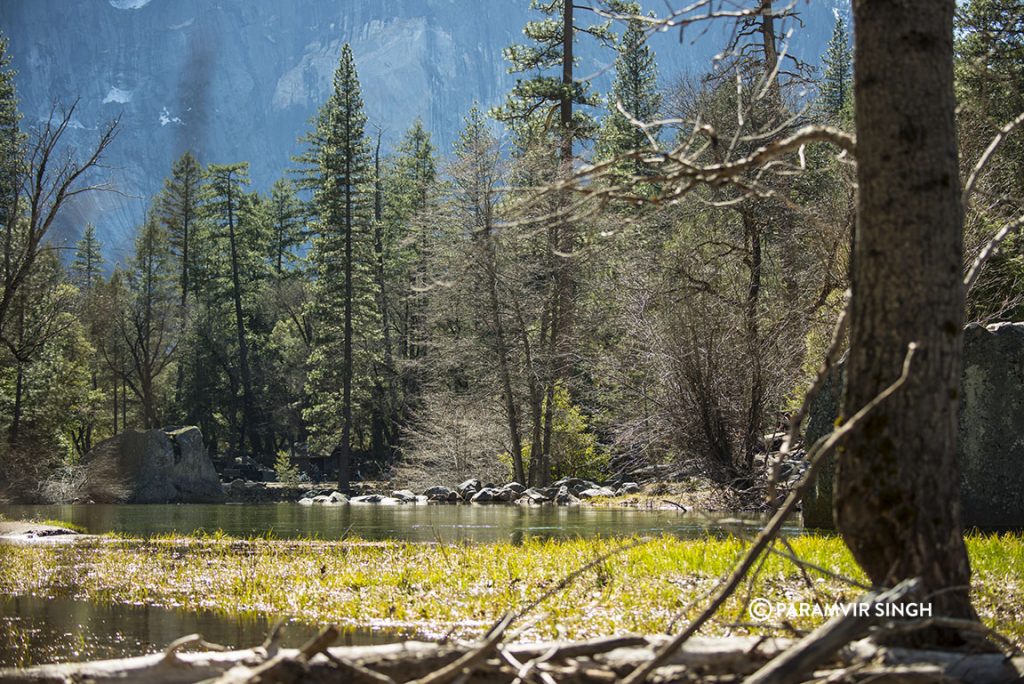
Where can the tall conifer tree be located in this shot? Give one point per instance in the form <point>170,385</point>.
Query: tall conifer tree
<point>837,83</point>
<point>178,208</point>
<point>636,89</point>
<point>346,327</point>
<point>87,265</point>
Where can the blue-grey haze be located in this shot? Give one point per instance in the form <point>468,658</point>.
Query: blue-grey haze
<point>239,80</point>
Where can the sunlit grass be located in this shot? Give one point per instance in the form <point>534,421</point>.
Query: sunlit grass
<point>434,588</point>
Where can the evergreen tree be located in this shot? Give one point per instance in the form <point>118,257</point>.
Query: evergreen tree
<point>411,191</point>
<point>636,89</point>
<point>530,107</point>
<point>287,221</point>
<point>149,324</point>
<point>227,207</point>
<point>345,316</point>
<point>178,208</point>
<point>836,88</point>
<point>10,147</point>
<point>87,265</point>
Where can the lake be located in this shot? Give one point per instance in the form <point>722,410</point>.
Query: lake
<point>35,630</point>
<point>415,523</point>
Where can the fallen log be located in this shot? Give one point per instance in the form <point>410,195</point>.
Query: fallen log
<point>596,660</point>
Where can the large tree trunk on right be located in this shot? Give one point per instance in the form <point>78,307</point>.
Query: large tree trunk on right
<point>897,481</point>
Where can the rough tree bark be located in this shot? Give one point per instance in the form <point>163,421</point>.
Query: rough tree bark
<point>897,502</point>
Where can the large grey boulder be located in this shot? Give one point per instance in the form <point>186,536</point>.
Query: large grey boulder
<point>168,465</point>
<point>595,492</point>
<point>468,488</point>
<point>486,495</point>
<point>533,496</point>
<point>440,494</point>
<point>991,436</point>
<point>564,497</point>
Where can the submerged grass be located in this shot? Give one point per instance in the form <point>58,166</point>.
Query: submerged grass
<point>437,588</point>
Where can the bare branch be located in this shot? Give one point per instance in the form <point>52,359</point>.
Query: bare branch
<point>986,157</point>
<point>817,454</point>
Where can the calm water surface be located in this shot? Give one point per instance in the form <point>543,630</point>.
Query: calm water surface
<point>36,630</point>
<point>417,523</point>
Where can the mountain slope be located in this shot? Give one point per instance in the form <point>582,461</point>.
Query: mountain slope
<point>239,79</point>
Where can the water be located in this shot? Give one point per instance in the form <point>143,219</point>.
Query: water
<point>36,630</point>
<point>416,523</point>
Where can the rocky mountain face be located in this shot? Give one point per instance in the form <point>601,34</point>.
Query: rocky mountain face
<point>239,80</point>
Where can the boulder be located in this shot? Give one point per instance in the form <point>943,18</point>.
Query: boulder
<point>485,495</point>
<point>533,496</point>
<point>378,499</point>
<point>565,498</point>
<point>991,432</point>
<point>168,465</point>
<point>440,494</point>
<point>468,488</point>
<point>574,484</point>
<point>336,499</point>
<point>628,488</point>
<point>594,492</point>
<point>507,494</point>
<point>404,495</point>
<point>515,487</point>
<point>305,501</point>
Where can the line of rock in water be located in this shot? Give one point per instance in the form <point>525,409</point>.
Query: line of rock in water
<point>566,492</point>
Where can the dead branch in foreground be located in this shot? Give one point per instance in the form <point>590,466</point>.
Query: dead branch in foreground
<point>826,655</point>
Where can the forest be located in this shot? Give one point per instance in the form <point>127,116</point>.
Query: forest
<point>426,309</point>
<point>663,283</point>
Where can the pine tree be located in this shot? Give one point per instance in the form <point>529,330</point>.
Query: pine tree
<point>411,190</point>
<point>346,326</point>
<point>635,89</point>
<point>10,146</point>
<point>178,208</point>
<point>87,265</point>
<point>287,221</point>
<point>149,325</point>
<point>226,205</point>
<point>530,107</point>
<point>837,84</point>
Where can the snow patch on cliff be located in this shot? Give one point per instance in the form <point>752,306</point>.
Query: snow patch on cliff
<point>166,118</point>
<point>129,4</point>
<point>115,94</point>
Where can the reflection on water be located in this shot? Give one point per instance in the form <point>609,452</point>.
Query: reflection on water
<point>416,523</point>
<point>36,630</point>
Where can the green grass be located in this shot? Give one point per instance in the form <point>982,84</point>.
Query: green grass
<point>436,588</point>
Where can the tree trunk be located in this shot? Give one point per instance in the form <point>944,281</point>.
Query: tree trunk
<point>250,426</point>
<point>19,385</point>
<point>897,481</point>
<point>753,305</point>
<point>501,351</point>
<point>386,385</point>
<point>345,448</point>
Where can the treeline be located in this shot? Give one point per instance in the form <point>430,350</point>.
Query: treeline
<point>444,317</point>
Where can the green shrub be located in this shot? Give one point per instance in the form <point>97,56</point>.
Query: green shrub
<point>286,471</point>
<point>575,451</point>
